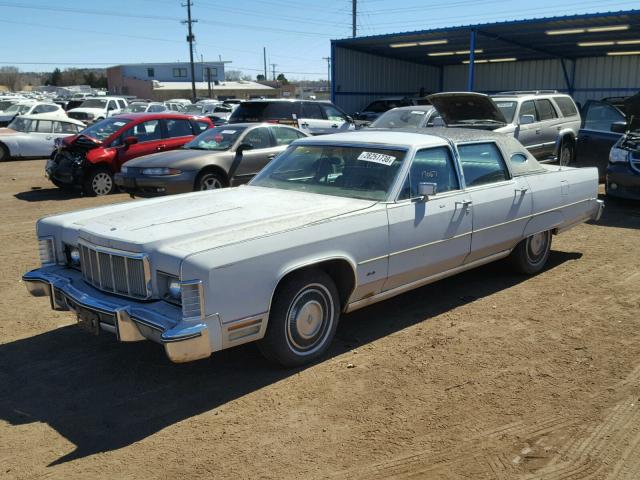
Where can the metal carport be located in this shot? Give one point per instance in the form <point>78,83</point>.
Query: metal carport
<point>589,56</point>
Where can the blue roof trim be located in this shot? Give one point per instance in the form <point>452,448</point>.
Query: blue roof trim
<point>347,41</point>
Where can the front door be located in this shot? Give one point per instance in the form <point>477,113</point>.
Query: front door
<point>501,205</point>
<point>40,141</point>
<point>432,236</point>
<point>549,127</point>
<point>530,134</point>
<point>595,137</point>
<point>250,161</point>
<point>149,135</point>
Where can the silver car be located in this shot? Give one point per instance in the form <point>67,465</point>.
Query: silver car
<point>219,157</point>
<point>33,136</point>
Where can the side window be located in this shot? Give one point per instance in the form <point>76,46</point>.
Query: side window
<point>48,108</point>
<point>566,106</point>
<point>39,109</point>
<point>179,128</point>
<point>64,127</point>
<point>145,131</point>
<point>518,158</point>
<point>311,110</point>
<point>258,137</point>
<point>201,126</point>
<point>112,105</point>
<point>482,163</point>
<point>121,104</point>
<point>600,116</point>
<point>545,110</point>
<point>333,113</point>
<point>434,165</point>
<point>528,108</point>
<point>284,135</point>
<point>44,126</point>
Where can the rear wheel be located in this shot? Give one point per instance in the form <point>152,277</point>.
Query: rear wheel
<point>99,182</point>
<point>532,253</point>
<point>567,153</point>
<point>210,181</point>
<point>4,153</point>
<point>303,319</point>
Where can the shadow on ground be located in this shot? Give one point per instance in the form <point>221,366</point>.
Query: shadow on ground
<point>102,395</point>
<point>48,194</point>
<point>620,213</point>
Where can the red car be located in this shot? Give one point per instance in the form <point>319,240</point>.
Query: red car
<point>90,159</point>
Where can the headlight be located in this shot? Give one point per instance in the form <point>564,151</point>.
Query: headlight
<point>619,155</point>
<point>47,250</point>
<point>174,288</point>
<point>161,171</point>
<point>169,287</point>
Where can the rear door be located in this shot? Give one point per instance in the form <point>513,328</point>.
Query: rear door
<point>595,137</point>
<point>312,118</point>
<point>38,143</point>
<point>548,126</point>
<point>501,205</point>
<point>530,134</point>
<point>177,132</point>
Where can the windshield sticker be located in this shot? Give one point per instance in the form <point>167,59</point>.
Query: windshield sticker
<point>228,132</point>
<point>505,105</point>
<point>376,158</point>
<point>417,112</point>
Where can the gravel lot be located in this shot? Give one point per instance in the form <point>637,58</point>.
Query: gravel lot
<point>486,375</point>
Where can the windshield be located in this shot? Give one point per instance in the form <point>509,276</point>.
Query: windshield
<point>105,128</point>
<point>217,138</point>
<point>261,111</point>
<point>94,103</point>
<point>20,124</point>
<point>6,104</point>
<point>508,109</point>
<point>136,107</point>
<point>401,119</point>
<point>17,108</point>
<point>356,172</point>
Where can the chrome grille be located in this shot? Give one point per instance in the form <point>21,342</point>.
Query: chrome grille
<point>115,272</point>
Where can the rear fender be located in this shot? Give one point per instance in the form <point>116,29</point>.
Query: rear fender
<point>544,222</point>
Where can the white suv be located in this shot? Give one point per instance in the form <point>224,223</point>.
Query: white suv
<point>98,108</point>
<point>545,122</point>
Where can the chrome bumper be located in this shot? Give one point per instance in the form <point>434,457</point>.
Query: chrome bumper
<point>599,209</point>
<point>129,320</point>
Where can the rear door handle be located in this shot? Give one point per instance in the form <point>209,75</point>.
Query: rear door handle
<point>522,190</point>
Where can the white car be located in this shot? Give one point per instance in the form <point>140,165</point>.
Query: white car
<point>332,224</point>
<point>95,109</point>
<point>33,136</point>
<point>30,107</point>
<point>145,107</point>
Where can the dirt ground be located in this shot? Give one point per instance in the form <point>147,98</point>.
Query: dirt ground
<point>487,375</point>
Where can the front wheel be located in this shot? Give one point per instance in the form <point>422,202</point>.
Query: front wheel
<point>303,319</point>
<point>532,253</point>
<point>99,182</point>
<point>210,181</point>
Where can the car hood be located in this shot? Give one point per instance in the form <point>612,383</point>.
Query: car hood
<point>181,157</point>
<point>467,109</point>
<point>632,111</point>
<point>86,110</point>
<point>198,221</point>
<point>7,117</point>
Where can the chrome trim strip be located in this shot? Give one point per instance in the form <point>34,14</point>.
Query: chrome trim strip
<point>423,281</point>
<point>181,338</point>
<point>147,323</point>
<point>381,257</point>
<point>435,242</point>
<point>257,316</point>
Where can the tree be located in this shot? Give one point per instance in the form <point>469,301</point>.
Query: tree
<point>233,75</point>
<point>55,78</point>
<point>281,78</point>
<point>10,77</point>
<point>260,78</point>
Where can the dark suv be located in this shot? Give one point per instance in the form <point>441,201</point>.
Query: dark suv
<point>314,117</point>
<point>90,159</point>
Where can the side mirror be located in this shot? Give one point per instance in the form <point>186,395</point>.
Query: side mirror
<point>244,146</point>
<point>427,189</point>
<point>619,127</point>
<point>127,142</point>
<point>527,119</point>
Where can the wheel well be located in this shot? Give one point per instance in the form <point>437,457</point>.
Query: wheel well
<point>214,169</point>
<point>5,148</point>
<point>95,166</point>
<point>567,136</point>
<point>339,270</point>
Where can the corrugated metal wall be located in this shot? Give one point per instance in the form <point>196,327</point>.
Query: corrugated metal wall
<point>358,76</point>
<point>361,77</point>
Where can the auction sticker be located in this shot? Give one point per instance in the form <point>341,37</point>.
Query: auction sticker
<point>376,158</point>
<point>228,132</point>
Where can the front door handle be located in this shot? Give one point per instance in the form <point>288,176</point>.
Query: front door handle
<point>522,190</point>
<point>464,203</point>
<point>335,125</point>
<point>271,156</point>
<point>538,131</point>
<point>305,125</point>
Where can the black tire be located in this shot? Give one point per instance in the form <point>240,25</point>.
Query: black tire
<point>209,180</point>
<point>531,254</point>
<point>567,154</point>
<point>4,153</point>
<point>99,181</point>
<point>288,341</point>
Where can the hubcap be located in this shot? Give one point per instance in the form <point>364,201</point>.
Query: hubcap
<point>102,183</point>
<point>210,183</point>
<point>309,319</point>
<point>537,246</point>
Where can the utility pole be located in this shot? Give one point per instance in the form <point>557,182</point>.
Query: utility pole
<point>209,81</point>
<point>353,17</point>
<point>264,56</point>
<point>328,59</point>
<point>190,39</point>
<point>273,67</point>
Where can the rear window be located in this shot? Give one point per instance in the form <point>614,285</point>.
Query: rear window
<point>566,106</point>
<point>261,111</point>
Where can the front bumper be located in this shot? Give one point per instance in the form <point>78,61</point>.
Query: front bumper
<point>622,182</point>
<point>129,320</point>
<point>164,185</point>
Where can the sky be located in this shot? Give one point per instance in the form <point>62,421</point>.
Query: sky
<point>40,35</point>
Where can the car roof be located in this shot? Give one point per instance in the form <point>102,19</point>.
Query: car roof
<point>387,137</point>
<point>44,116</point>
<point>156,116</point>
<point>421,108</point>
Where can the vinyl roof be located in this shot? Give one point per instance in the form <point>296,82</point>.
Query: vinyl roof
<point>600,34</point>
